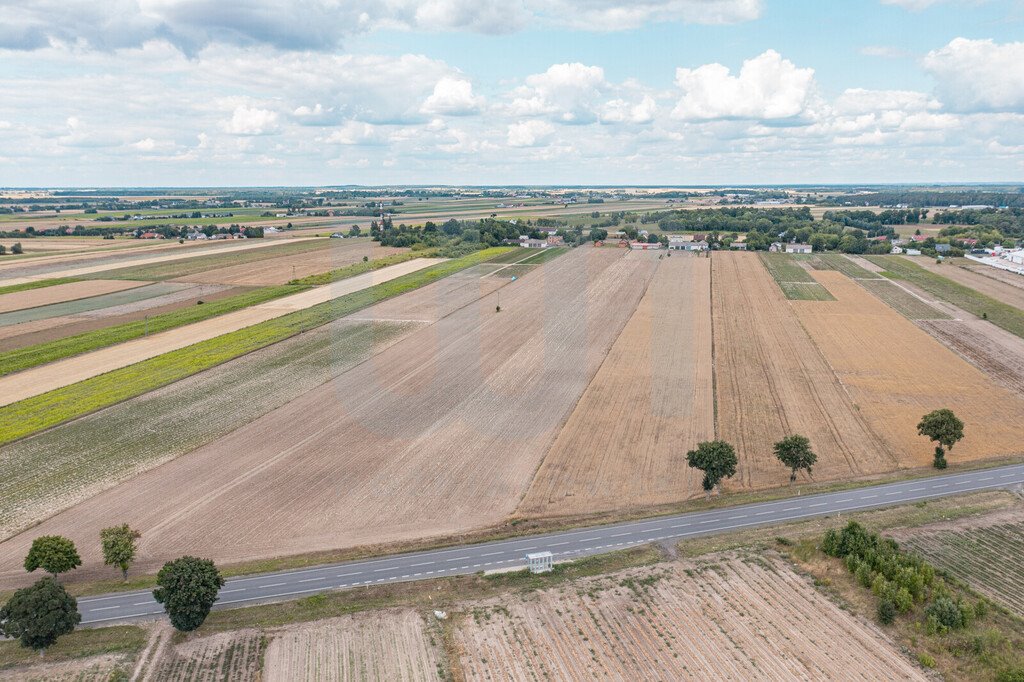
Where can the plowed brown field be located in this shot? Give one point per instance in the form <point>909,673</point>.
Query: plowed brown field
<point>895,373</point>
<point>440,433</point>
<point>286,268</point>
<point>376,645</point>
<point>626,441</point>
<point>998,353</point>
<point>737,619</point>
<point>33,298</point>
<point>773,382</point>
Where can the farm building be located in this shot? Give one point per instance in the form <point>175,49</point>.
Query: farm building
<point>697,246</point>
<point>645,246</point>
<point>677,242</point>
<point>799,248</point>
<point>942,248</point>
<point>534,243</point>
<point>738,246</point>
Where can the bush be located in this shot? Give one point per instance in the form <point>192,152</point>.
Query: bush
<point>16,249</point>
<point>864,574</point>
<point>926,661</point>
<point>944,615</point>
<point>886,612</point>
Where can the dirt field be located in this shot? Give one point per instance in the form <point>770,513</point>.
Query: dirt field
<point>45,378</point>
<point>90,669</point>
<point>376,645</point>
<point>442,432</point>
<point>986,552</point>
<point>625,442</point>
<point>225,656</point>
<point>1004,276</point>
<point>895,373</point>
<point>34,298</point>
<point>286,268</point>
<point>998,353</point>
<point>736,618</point>
<point>990,281</point>
<point>773,382</point>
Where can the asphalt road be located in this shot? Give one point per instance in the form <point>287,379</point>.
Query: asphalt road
<point>505,554</point>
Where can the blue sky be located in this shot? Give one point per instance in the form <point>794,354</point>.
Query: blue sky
<point>192,92</point>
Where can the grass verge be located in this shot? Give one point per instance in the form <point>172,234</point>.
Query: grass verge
<point>39,284</point>
<point>40,354</point>
<point>120,639</point>
<point>28,416</point>
<point>998,313</point>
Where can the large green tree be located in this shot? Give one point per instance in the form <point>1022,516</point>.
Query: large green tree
<point>187,587</point>
<point>36,616</point>
<point>944,428</point>
<point>53,553</point>
<point>716,458</point>
<point>795,452</point>
<point>118,544</point>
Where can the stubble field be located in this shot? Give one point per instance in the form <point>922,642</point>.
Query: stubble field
<point>895,373</point>
<point>440,433</point>
<point>773,382</point>
<point>625,443</point>
<point>60,293</point>
<point>734,618</point>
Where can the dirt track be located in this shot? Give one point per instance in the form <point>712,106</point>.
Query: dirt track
<point>39,380</point>
<point>626,441</point>
<point>72,291</point>
<point>895,373</point>
<point>773,382</point>
<point>439,433</point>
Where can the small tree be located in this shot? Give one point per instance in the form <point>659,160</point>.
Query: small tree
<point>36,616</point>
<point>16,249</point>
<point>716,458</point>
<point>795,452</point>
<point>54,554</point>
<point>187,587</point>
<point>941,427</point>
<point>119,548</point>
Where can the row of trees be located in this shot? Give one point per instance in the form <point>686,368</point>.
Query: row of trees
<point>38,615</point>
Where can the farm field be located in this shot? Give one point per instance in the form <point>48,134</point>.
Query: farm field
<point>773,382</point>
<point>794,280</point>
<point>150,301</point>
<point>375,645</point>
<point>61,293</point>
<point>1009,278</point>
<point>736,617</point>
<point>986,552</point>
<point>116,264</point>
<point>651,401</point>
<point>48,472</point>
<point>998,312</point>
<point>983,282</point>
<point>225,656</point>
<point>902,301</point>
<point>840,263</point>
<point>39,380</point>
<point>439,433</point>
<point>120,295</point>
<point>999,354</point>
<point>915,375</point>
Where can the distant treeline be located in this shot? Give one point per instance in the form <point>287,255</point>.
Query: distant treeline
<point>935,199</point>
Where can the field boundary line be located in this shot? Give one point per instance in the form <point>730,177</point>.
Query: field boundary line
<point>714,357</point>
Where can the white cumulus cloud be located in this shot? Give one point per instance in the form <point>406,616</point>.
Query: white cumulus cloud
<point>534,133</point>
<point>452,96</point>
<point>251,121</point>
<point>979,75</point>
<point>766,87</point>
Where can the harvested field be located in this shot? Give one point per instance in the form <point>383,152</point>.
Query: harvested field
<point>999,354</point>
<point>793,279</point>
<point>737,618</point>
<point>39,380</point>
<point>984,282</point>
<point>914,375</point>
<point>89,669</point>
<point>985,552</point>
<point>440,433</point>
<point>27,334</point>
<point>773,382</point>
<point>232,656</point>
<point>82,305</point>
<point>651,401</point>
<point>902,301</point>
<point>60,293</point>
<point>281,269</point>
<point>375,645</point>
<point>1004,276</point>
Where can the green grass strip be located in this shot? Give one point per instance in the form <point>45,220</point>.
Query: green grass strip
<point>28,416</point>
<point>998,313</point>
<point>543,256</point>
<point>39,284</point>
<point>359,268</point>
<point>805,291</point>
<point>20,359</point>
<point>795,282</point>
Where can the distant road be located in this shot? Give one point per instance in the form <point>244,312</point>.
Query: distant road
<point>466,559</point>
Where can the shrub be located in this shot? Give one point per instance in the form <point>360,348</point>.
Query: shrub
<point>946,613</point>
<point>886,612</point>
<point>903,599</point>
<point>864,574</point>
<point>17,248</point>
<point>926,661</point>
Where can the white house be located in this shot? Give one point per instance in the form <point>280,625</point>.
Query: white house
<point>799,248</point>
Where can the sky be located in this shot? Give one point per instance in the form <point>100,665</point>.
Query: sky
<point>536,92</point>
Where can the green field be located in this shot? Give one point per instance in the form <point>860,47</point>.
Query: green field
<point>543,256</point>
<point>998,313</point>
<point>43,353</point>
<point>840,263</point>
<point>49,409</point>
<point>794,281</point>
<point>83,305</point>
<point>902,301</point>
<point>39,284</point>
